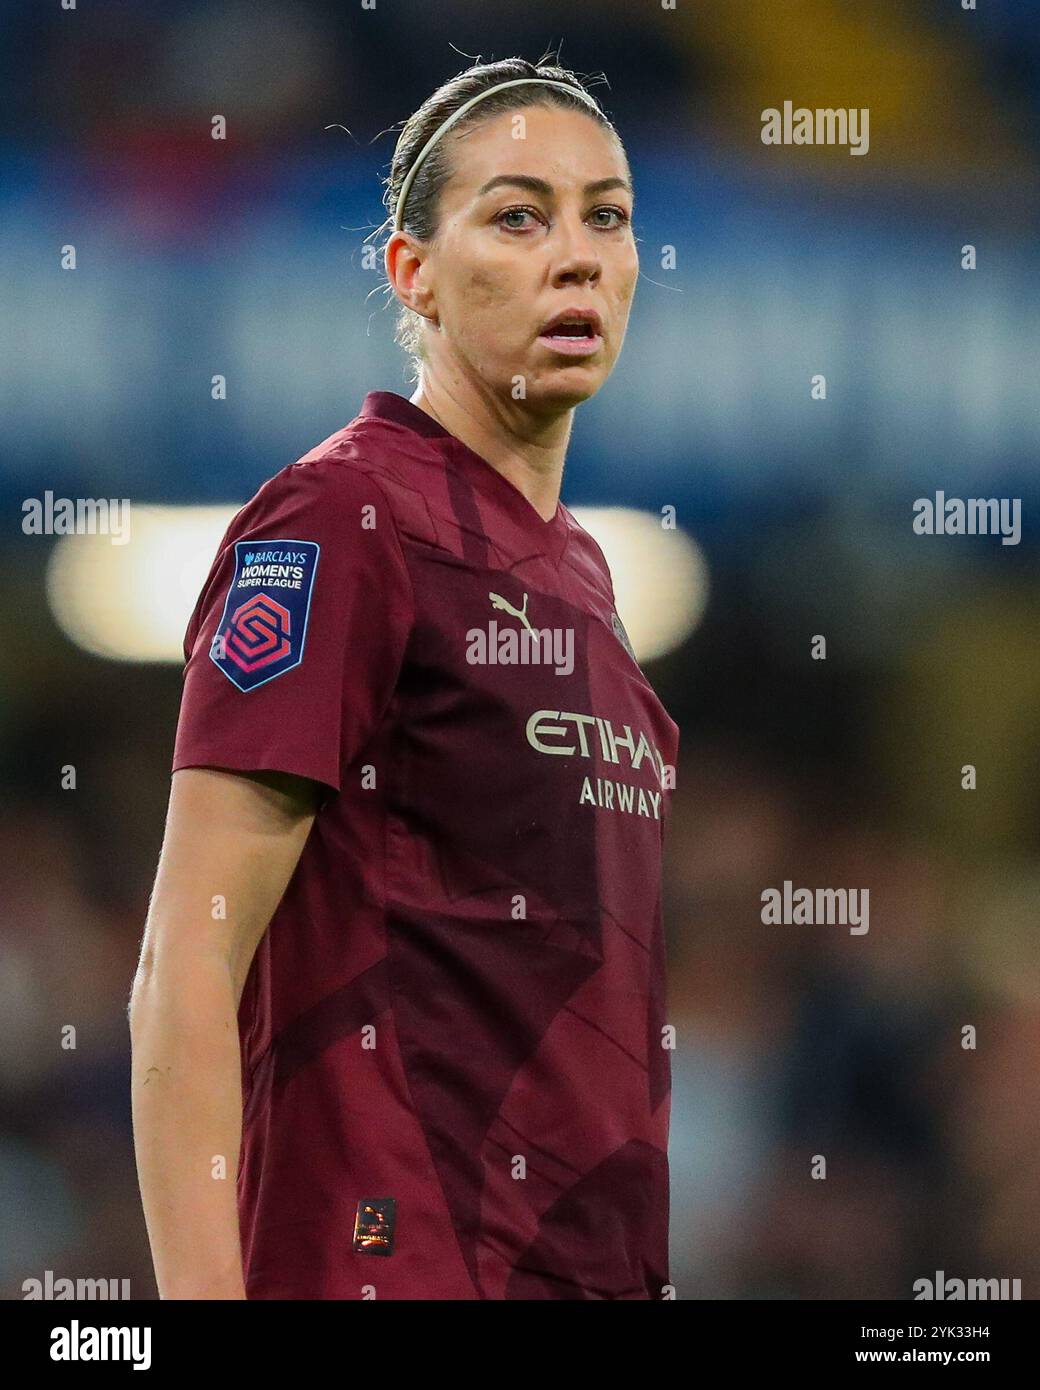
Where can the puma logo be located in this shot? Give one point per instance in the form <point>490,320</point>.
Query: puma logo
<point>547,646</point>
<point>497,601</point>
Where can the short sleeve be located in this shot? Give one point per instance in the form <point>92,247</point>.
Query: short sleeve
<point>297,640</point>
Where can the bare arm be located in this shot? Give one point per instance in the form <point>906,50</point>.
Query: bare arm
<point>234,839</point>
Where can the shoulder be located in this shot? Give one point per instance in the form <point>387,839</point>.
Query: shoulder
<point>341,481</point>
<point>329,499</point>
<point>369,463</point>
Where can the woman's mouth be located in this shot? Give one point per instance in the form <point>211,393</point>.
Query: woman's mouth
<point>573,332</point>
<point>573,337</point>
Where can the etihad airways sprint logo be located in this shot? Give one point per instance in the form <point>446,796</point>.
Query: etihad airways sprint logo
<point>565,734</point>
<point>520,646</point>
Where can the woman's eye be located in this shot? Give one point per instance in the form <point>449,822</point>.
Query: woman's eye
<point>619,213</point>
<point>516,212</point>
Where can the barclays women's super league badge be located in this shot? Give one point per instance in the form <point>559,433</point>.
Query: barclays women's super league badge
<point>262,629</point>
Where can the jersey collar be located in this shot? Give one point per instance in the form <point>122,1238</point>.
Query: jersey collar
<point>552,535</point>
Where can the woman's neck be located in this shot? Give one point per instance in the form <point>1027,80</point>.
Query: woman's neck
<point>527,451</point>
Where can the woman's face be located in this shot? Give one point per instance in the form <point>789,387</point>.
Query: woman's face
<point>510,257</point>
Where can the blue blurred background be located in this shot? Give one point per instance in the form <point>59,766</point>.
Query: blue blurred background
<point>246,257</point>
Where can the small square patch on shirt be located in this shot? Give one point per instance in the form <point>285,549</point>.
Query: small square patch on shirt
<point>621,634</point>
<point>374,1226</point>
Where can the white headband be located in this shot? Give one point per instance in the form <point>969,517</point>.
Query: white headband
<point>457,115</point>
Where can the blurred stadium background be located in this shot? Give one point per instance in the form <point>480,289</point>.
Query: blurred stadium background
<point>246,258</point>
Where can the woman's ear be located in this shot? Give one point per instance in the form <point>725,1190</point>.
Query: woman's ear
<point>406,269</point>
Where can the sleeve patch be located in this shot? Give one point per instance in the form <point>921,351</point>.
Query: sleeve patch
<point>262,629</point>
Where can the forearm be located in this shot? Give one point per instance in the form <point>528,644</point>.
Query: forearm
<point>187,1113</point>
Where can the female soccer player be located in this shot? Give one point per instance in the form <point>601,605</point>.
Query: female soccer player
<point>414,833</point>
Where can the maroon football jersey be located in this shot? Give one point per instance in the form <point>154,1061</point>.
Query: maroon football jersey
<point>455,1061</point>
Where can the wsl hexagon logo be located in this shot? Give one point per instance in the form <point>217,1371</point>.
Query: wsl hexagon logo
<point>258,634</point>
<point>262,629</point>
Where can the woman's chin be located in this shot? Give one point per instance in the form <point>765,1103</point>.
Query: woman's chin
<point>566,385</point>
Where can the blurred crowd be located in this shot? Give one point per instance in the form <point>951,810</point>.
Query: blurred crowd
<point>795,1043</point>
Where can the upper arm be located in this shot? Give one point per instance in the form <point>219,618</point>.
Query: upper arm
<point>311,599</point>
<point>296,644</point>
<point>231,844</point>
